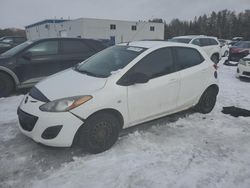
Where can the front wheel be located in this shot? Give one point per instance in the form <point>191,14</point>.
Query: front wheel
<point>207,101</point>
<point>6,85</point>
<point>99,133</point>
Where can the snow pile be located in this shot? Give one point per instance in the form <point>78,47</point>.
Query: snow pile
<point>8,108</point>
<point>195,151</point>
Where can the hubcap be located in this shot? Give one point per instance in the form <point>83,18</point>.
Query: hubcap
<point>101,133</point>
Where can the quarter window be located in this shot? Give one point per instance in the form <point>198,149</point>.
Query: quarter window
<point>157,63</point>
<point>187,57</point>
<point>44,48</point>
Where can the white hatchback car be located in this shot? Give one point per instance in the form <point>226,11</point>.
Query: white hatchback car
<point>119,87</point>
<point>210,45</point>
<point>243,69</point>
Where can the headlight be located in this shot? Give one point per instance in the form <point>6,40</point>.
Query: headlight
<point>242,62</point>
<point>65,104</point>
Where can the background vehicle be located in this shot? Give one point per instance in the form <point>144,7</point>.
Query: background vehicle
<point>239,50</point>
<point>122,86</point>
<point>210,45</point>
<point>9,42</point>
<point>31,61</point>
<point>243,69</point>
<point>235,40</point>
<point>224,47</point>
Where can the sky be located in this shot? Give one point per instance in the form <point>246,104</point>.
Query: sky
<point>19,13</point>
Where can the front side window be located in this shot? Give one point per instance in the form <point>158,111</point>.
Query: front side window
<point>44,48</point>
<point>187,57</point>
<point>152,28</point>
<point>74,46</point>
<point>109,60</point>
<point>17,49</point>
<point>157,63</point>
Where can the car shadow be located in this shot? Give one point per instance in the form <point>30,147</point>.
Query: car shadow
<point>244,79</point>
<point>160,122</point>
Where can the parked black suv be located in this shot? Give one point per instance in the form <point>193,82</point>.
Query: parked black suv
<point>31,61</point>
<point>9,42</point>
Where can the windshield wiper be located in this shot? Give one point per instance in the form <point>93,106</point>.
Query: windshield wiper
<point>89,73</point>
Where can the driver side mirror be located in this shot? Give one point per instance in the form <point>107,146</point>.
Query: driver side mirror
<point>27,55</point>
<point>134,78</point>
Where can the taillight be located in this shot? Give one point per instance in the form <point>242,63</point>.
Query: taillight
<point>235,50</point>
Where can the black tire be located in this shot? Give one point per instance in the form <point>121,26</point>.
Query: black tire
<point>6,85</point>
<point>99,132</point>
<point>215,58</point>
<point>207,101</point>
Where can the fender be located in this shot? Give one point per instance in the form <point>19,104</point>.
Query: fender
<point>11,73</point>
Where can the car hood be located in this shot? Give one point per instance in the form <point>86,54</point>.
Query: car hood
<point>70,83</point>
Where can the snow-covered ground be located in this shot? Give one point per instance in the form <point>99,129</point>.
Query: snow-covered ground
<point>183,150</point>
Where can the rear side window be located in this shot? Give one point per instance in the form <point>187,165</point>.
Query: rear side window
<point>213,42</point>
<point>208,42</point>
<point>204,42</point>
<point>74,46</point>
<point>157,63</point>
<point>20,40</point>
<point>196,42</point>
<point>187,57</point>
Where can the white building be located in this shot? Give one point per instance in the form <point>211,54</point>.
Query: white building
<point>114,30</point>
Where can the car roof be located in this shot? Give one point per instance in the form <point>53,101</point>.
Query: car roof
<point>64,38</point>
<point>194,36</point>
<point>153,44</point>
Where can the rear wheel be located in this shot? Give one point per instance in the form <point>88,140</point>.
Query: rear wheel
<point>99,133</point>
<point>6,85</point>
<point>215,58</point>
<point>207,101</point>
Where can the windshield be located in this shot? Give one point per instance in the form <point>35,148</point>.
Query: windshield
<point>181,40</point>
<point>109,60</point>
<point>16,49</point>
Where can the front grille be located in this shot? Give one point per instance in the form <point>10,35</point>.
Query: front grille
<point>26,120</point>
<point>246,73</point>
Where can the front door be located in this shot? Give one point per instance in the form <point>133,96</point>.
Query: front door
<point>159,95</point>
<point>37,62</point>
